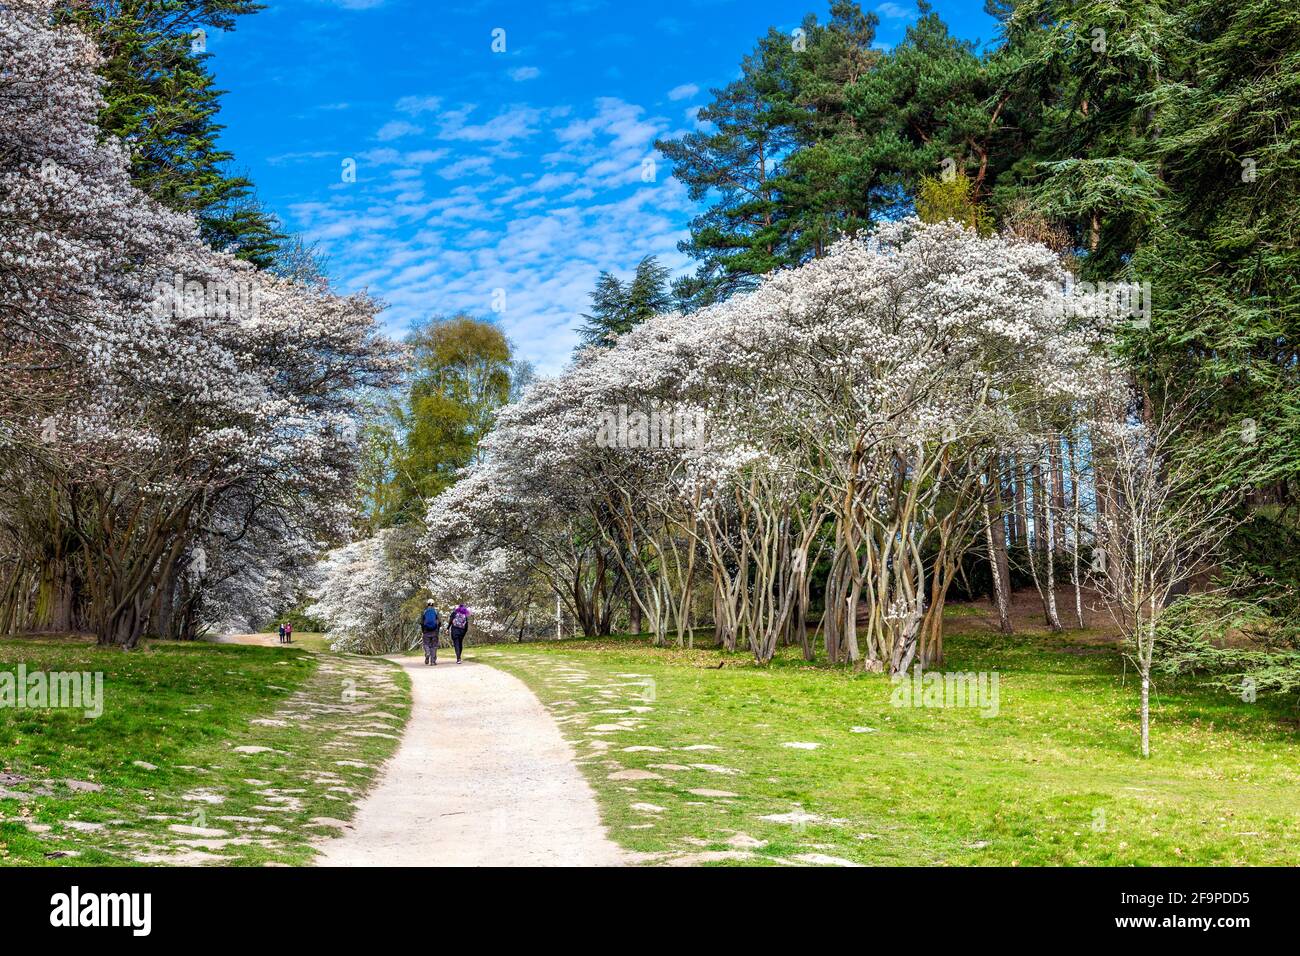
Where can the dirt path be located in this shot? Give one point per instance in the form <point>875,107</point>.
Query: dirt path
<point>482,778</point>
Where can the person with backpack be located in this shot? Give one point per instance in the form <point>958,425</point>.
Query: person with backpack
<point>430,624</point>
<point>459,625</point>
<point>281,633</point>
<point>288,632</point>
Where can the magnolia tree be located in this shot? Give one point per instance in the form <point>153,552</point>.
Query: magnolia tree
<point>152,385</point>
<point>498,584</point>
<point>510,502</point>
<point>360,593</point>
<point>856,408</point>
<point>896,370</point>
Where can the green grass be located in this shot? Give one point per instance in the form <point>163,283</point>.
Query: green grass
<point>1054,778</point>
<point>308,640</point>
<point>184,709</point>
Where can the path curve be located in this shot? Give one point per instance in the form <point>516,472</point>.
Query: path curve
<point>482,778</point>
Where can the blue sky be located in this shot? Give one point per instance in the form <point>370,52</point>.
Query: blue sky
<point>498,183</point>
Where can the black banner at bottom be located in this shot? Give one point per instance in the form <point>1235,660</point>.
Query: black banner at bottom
<point>339,906</point>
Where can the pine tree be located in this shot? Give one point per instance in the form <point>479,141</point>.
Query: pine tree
<point>617,306</point>
<point>930,110</point>
<point>1088,69</point>
<point>1223,265</point>
<point>735,165</point>
<point>161,100</point>
<point>781,161</point>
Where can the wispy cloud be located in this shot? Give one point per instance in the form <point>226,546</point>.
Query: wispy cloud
<point>512,123</point>
<point>893,11</point>
<point>447,242</point>
<point>285,159</point>
<point>415,105</point>
<point>465,167</point>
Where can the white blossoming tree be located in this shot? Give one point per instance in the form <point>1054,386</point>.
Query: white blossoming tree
<point>152,387</point>
<point>853,407</point>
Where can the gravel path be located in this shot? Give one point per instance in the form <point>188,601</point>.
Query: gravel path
<point>482,778</point>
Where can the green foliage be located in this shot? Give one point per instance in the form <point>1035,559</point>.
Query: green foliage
<point>928,109</point>
<point>617,306</point>
<point>777,157</point>
<point>300,620</point>
<point>939,200</point>
<point>1236,645</point>
<point>161,100</point>
<point>462,371</point>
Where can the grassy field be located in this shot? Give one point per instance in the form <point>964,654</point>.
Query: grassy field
<point>204,753</point>
<point>799,763</point>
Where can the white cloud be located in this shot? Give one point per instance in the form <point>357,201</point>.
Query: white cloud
<point>415,105</point>
<point>396,129</point>
<point>284,159</point>
<point>468,166</point>
<point>542,232</point>
<point>683,92</point>
<point>892,11</point>
<point>521,73</point>
<point>515,122</point>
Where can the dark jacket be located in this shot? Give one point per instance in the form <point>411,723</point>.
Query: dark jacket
<point>459,622</point>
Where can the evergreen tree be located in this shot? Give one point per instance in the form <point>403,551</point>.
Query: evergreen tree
<point>831,184</point>
<point>617,306</point>
<point>735,164</point>
<point>1224,263</point>
<point>161,100</point>
<point>1089,70</point>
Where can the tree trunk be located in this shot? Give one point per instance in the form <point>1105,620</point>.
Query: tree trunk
<point>66,609</point>
<point>1042,543</point>
<point>1057,500</point>
<point>164,615</point>
<point>634,616</point>
<point>999,569</point>
<point>1146,716</point>
<point>1020,507</point>
<point>1077,520</point>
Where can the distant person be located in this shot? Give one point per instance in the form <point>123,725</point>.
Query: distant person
<point>281,633</point>
<point>430,624</point>
<point>458,626</point>
<point>288,632</point>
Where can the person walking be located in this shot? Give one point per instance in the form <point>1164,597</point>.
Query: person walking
<point>430,624</point>
<point>288,632</point>
<point>459,625</point>
<point>281,632</point>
